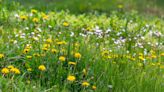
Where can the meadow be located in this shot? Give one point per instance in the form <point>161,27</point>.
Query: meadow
<point>59,51</point>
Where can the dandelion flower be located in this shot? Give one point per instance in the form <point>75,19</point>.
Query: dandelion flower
<point>71,78</point>
<point>42,68</point>
<point>94,87</point>
<point>77,55</point>
<point>65,24</point>
<point>1,56</point>
<point>34,11</point>
<point>85,84</point>
<point>72,63</point>
<point>5,70</point>
<point>62,58</point>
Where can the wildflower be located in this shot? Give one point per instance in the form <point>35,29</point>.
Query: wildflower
<point>72,63</point>
<point>49,40</point>
<point>65,24</point>
<point>53,50</point>
<point>46,45</point>
<point>10,66</point>
<point>62,58</point>
<point>42,68</point>
<point>71,78</point>
<point>23,17</point>
<point>85,84</point>
<point>162,66</point>
<point>61,43</point>
<point>77,55</point>
<point>26,51</point>
<point>45,49</point>
<point>5,71</point>
<point>34,11</point>
<point>35,20</point>
<point>142,58</point>
<point>36,54</point>
<point>45,17</point>
<point>29,57</point>
<point>94,87</point>
<point>162,54</point>
<point>15,70</point>
<point>1,56</point>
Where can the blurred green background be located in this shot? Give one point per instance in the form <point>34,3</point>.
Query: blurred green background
<point>155,7</point>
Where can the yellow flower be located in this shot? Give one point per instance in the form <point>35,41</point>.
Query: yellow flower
<point>142,58</point>
<point>10,66</point>
<point>77,55</point>
<point>162,66</point>
<point>45,17</point>
<point>1,56</point>
<point>65,24</point>
<point>26,51</point>
<point>46,45</point>
<point>162,54</point>
<point>85,84</point>
<point>29,57</point>
<point>53,50</point>
<point>5,71</point>
<point>94,87</point>
<point>15,70</point>
<point>42,68</point>
<point>34,11</point>
<point>71,78</point>
<point>61,43</point>
<point>62,58</point>
<point>49,40</point>
<point>35,20</point>
<point>45,49</point>
<point>72,63</point>
<point>23,17</point>
<point>36,54</point>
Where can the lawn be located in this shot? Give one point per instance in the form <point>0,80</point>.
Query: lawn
<point>71,49</point>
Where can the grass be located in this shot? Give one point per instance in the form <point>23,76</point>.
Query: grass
<point>52,51</point>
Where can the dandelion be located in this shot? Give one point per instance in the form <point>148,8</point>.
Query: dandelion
<point>10,66</point>
<point>35,20</point>
<point>62,58</point>
<point>65,24</point>
<point>34,11</point>
<point>44,49</point>
<point>42,68</point>
<point>162,54</point>
<point>77,55</point>
<point>15,70</point>
<point>85,84</point>
<point>26,51</point>
<point>53,50</point>
<point>23,17</point>
<point>49,40</point>
<point>72,63</point>
<point>2,56</point>
<point>5,71</point>
<point>45,17</point>
<point>94,87</point>
<point>71,78</point>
